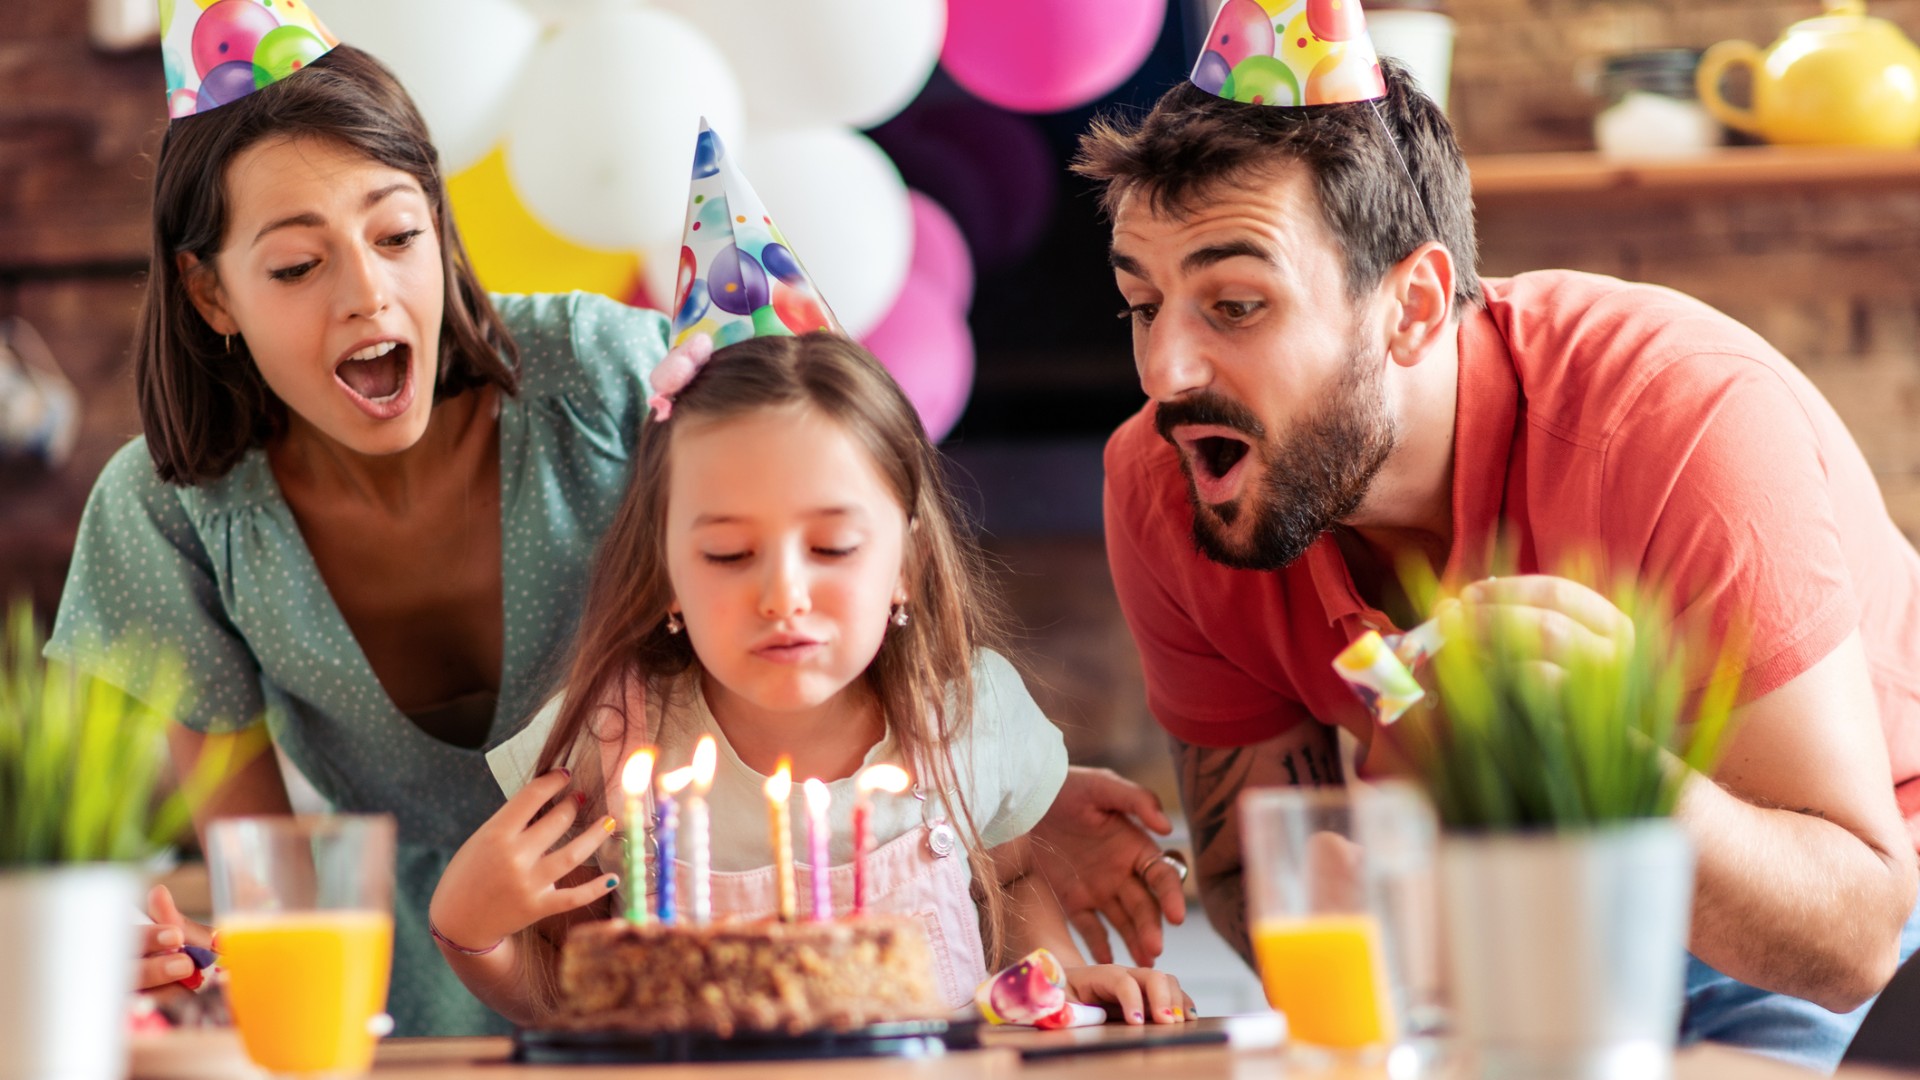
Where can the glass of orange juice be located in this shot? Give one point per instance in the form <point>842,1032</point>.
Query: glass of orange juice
<point>1340,908</point>
<point>303,922</point>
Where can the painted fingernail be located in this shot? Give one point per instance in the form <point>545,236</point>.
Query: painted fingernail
<point>564,771</point>
<point>1179,1014</point>
<point>1136,1018</point>
<point>580,799</point>
<point>202,958</point>
<point>612,881</point>
<point>608,824</point>
<point>176,967</point>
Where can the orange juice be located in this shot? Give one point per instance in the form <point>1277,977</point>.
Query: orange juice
<point>305,985</point>
<point>1327,974</point>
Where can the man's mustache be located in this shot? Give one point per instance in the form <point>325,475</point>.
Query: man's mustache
<point>1209,409</point>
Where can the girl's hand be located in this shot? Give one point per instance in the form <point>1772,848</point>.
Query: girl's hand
<point>1142,995</point>
<point>161,959</point>
<point>505,877</point>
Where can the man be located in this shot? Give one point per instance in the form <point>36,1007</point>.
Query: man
<point>1334,391</point>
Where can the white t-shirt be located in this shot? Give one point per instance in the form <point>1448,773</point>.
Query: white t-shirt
<point>1011,766</point>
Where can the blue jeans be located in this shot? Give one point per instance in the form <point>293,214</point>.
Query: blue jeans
<point>1723,1010</point>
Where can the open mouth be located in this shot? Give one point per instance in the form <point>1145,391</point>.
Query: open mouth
<point>377,372</point>
<point>1218,454</point>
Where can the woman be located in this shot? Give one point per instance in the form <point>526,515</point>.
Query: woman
<point>364,506</point>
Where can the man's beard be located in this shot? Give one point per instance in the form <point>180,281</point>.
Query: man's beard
<point>1310,482</point>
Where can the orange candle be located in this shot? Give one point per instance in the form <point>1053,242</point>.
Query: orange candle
<point>779,787</point>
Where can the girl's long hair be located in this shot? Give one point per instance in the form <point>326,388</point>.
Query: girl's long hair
<point>922,676</point>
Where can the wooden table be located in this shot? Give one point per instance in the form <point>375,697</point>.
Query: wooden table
<point>447,1059</point>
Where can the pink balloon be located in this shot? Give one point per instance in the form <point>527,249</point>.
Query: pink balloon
<point>1047,55</point>
<point>940,255</point>
<point>925,344</point>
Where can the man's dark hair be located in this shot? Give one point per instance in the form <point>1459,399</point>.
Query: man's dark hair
<point>1193,143</point>
<point>203,406</point>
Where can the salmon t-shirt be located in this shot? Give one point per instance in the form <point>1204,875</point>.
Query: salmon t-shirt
<point>1597,419</point>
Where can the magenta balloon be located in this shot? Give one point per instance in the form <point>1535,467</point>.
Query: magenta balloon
<point>1047,55</point>
<point>940,255</point>
<point>927,347</point>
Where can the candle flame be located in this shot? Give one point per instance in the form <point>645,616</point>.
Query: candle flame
<point>705,754</point>
<point>818,797</point>
<point>674,782</point>
<point>891,778</point>
<point>780,784</point>
<point>638,773</point>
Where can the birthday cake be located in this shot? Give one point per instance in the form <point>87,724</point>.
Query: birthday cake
<point>725,978</point>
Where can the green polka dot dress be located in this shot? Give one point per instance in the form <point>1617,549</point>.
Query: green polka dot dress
<point>221,575</point>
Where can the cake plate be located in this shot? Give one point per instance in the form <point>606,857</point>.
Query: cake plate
<point>905,1039</point>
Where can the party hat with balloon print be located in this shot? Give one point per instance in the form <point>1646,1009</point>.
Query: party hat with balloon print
<point>738,278</point>
<point>1290,52</point>
<point>219,51</point>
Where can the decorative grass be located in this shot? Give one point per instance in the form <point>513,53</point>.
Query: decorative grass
<point>82,762</point>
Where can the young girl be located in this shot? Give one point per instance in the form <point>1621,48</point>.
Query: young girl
<point>784,575</point>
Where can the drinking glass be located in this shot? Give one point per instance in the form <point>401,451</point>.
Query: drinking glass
<point>303,923</point>
<point>1341,905</point>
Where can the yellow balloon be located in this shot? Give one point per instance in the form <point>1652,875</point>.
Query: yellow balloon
<point>513,253</point>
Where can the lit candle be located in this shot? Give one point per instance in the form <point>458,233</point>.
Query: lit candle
<point>818,800</point>
<point>634,780</point>
<point>779,787</point>
<point>699,844</point>
<point>665,839</point>
<point>889,778</point>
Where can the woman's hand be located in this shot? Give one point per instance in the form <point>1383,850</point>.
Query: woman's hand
<point>506,876</point>
<point>161,959</point>
<point>1143,995</point>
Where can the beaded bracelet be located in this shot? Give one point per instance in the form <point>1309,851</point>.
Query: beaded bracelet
<point>456,946</point>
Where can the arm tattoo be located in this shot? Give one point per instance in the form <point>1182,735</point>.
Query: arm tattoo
<point>1211,780</point>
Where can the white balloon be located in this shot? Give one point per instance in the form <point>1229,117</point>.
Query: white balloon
<point>600,142</point>
<point>460,60</point>
<point>844,62</point>
<point>844,209</point>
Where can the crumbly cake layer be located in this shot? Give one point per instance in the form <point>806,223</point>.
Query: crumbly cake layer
<point>763,976</point>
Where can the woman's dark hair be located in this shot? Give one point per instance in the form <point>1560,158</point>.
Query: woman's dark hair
<point>1193,143</point>
<point>203,407</point>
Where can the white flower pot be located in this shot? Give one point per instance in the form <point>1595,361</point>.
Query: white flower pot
<point>1567,951</point>
<point>70,954</point>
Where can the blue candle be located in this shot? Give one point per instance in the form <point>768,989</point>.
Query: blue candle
<point>667,836</point>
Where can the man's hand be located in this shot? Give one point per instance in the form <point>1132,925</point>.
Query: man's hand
<point>1101,860</point>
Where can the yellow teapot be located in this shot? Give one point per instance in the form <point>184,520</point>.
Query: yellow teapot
<point>1842,79</point>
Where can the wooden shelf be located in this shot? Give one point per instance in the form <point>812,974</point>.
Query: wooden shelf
<point>1501,176</point>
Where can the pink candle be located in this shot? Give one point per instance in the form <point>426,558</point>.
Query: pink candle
<point>818,834</point>
<point>890,778</point>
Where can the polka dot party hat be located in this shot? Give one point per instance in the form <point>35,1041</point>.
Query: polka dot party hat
<point>738,276</point>
<point>1290,52</point>
<point>219,51</point>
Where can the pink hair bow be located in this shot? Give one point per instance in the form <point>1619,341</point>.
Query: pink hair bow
<point>675,371</point>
